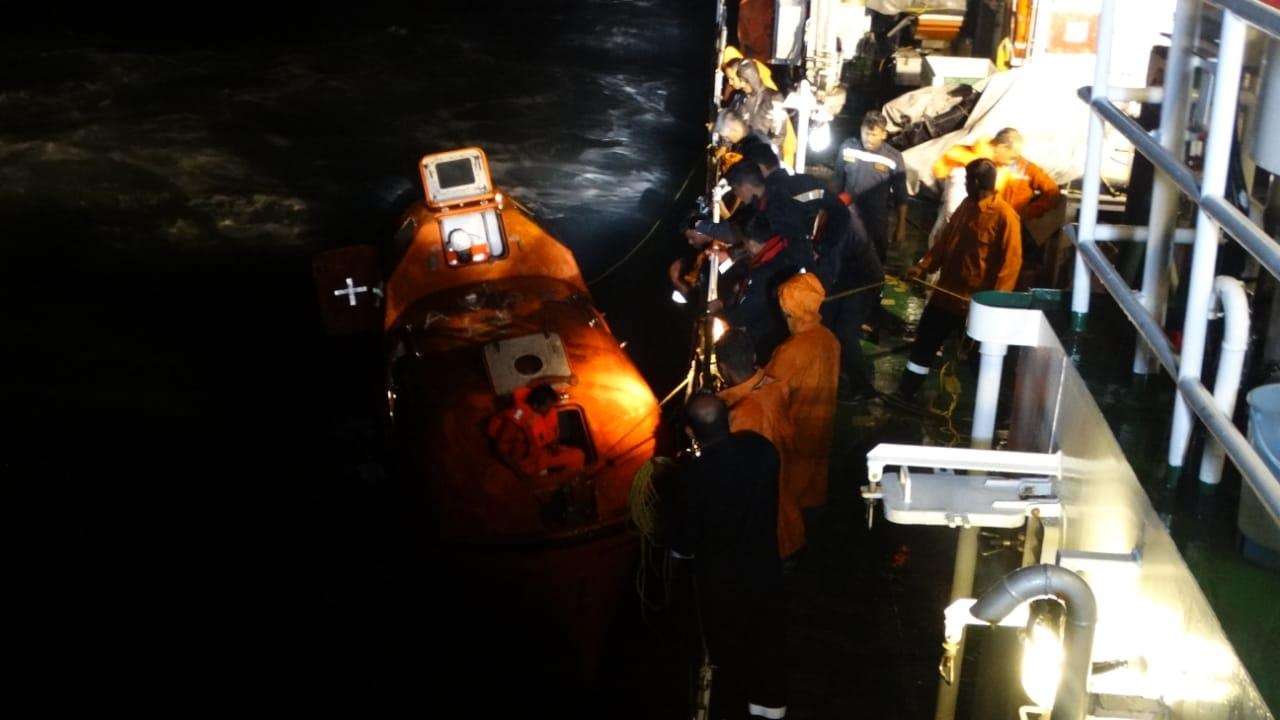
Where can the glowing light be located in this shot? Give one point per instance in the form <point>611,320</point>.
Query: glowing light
<point>718,329</point>
<point>1041,662</point>
<point>678,298</point>
<point>820,137</point>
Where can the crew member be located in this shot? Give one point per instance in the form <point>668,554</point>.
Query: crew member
<point>1019,182</point>
<point>762,108</point>
<point>980,249</point>
<point>808,365</point>
<point>753,307</point>
<point>527,435</point>
<point>728,528</point>
<point>757,404</point>
<point>845,260</point>
<point>873,174</point>
<point>463,248</point>
<point>785,215</point>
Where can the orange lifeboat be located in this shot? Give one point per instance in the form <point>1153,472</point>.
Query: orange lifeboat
<point>477,303</point>
<point>474,302</point>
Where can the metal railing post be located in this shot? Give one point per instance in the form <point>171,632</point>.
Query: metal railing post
<point>1217,157</point>
<point>1092,180</point>
<point>1165,195</point>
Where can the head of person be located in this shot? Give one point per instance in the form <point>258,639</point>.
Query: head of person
<point>542,398</point>
<point>763,156</point>
<point>730,68</point>
<point>1006,146</point>
<point>731,127</point>
<point>800,299</point>
<point>707,418</point>
<point>875,128</point>
<point>736,356</point>
<point>746,180</point>
<point>749,80</point>
<point>980,178</point>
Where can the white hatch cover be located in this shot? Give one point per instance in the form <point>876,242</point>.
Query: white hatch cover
<point>515,362</point>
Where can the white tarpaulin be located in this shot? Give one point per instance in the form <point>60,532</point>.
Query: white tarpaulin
<point>1041,102</point>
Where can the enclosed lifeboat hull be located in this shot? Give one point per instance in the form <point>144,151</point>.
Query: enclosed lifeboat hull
<point>463,329</point>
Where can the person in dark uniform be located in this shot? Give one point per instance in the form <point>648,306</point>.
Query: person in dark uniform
<point>754,308</point>
<point>727,527</point>
<point>786,216</point>
<point>873,174</point>
<point>845,259</point>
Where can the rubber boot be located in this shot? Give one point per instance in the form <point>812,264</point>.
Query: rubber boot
<point>910,384</point>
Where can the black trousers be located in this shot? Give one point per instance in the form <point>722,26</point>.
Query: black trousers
<point>746,638</point>
<point>844,317</point>
<point>936,326</point>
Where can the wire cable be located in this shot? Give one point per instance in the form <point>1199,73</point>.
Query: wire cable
<point>653,229</point>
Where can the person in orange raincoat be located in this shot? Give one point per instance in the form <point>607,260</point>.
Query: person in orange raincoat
<point>527,434</point>
<point>1019,182</point>
<point>807,365</point>
<point>980,249</point>
<point>757,403</point>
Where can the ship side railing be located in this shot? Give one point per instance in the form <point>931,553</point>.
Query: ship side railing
<point>1215,214</point>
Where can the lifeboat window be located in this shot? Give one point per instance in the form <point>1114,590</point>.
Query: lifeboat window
<point>574,433</point>
<point>472,237</point>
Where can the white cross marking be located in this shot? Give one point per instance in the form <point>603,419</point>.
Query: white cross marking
<point>351,291</point>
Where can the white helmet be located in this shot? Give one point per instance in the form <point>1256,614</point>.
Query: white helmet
<point>460,240</point>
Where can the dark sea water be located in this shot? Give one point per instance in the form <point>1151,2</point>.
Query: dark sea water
<point>197,490</point>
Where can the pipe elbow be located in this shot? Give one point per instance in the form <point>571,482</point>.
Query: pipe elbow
<point>1034,581</point>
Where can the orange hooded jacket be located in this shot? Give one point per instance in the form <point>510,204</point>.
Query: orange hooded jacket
<point>528,442</point>
<point>759,405</point>
<point>807,365</point>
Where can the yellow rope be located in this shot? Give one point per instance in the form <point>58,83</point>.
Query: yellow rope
<point>652,229</point>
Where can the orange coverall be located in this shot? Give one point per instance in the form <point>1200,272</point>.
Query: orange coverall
<point>980,249</point>
<point>528,441</point>
<point>1016,183</point>
<point>759,405</point>
<point>807,365</point>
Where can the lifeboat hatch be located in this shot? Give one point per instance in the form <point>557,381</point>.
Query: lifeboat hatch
<point>516,362</point>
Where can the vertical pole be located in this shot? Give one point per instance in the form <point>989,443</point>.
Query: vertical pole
<point>988,394</point>
<point>1092,180</point>
<point>1165,195</point>
<point>961,587</point>
<point>984,423</point>
<point>1204,258</point>
<point>802,124</point>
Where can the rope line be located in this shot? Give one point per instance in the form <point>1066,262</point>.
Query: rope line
<point>653,229</point>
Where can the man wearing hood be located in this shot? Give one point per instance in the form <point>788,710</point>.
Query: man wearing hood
<point>807,364</point>
<point>757,403</point>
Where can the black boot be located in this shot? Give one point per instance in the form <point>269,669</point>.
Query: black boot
<point>910,384</point>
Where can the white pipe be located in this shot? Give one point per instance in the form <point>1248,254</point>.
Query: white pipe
<point>1092,180</point>
<point>988,393</point>
<point>1229,292</point>
<point>1108,233</point>
<point>1217,158</point>
<point>802,124</point>
<point>1165,194</point>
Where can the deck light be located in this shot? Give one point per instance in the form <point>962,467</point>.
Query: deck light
<point>1042,652</point>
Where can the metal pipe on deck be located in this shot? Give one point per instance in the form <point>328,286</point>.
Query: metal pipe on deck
<point>1071,702</point>
<point>1092,180</point>
<point>1230,294</point>
<point>1217,159</point>
<point>1165,194</point>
